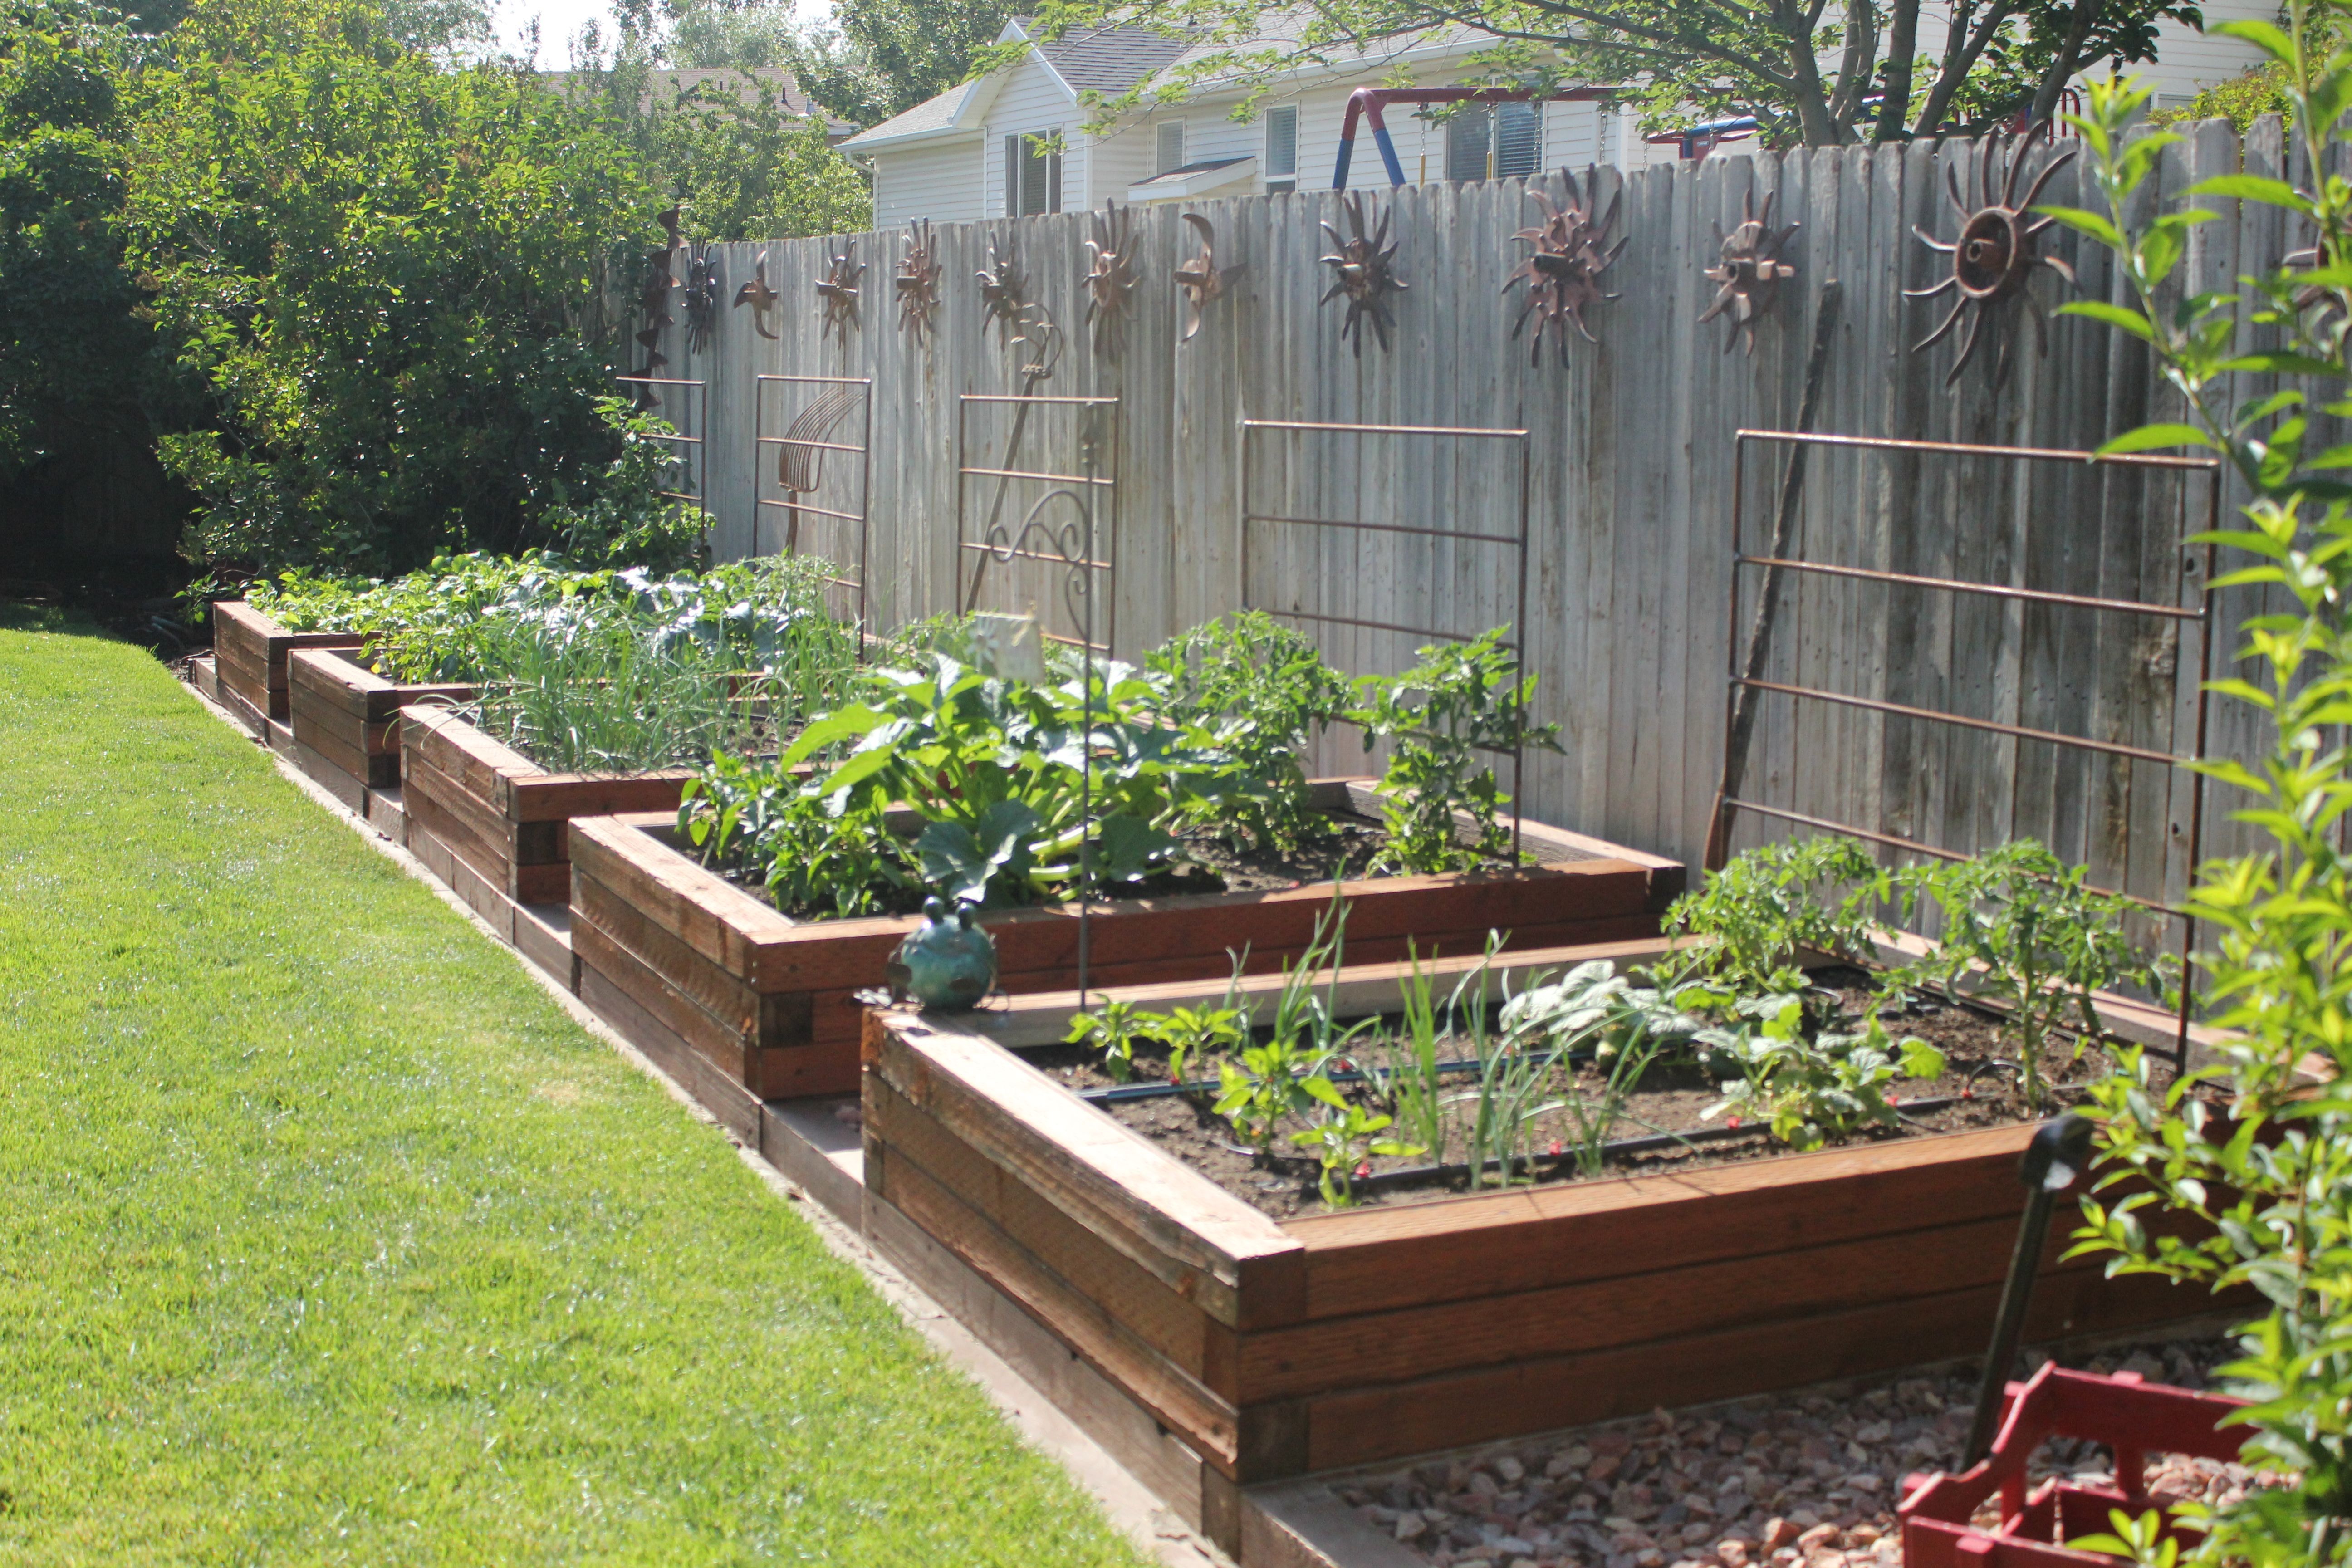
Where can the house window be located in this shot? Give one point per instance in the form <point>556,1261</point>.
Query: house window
<point>1282,149</point>
<point>1032,175</point>
<point>1497,142</point>
<point>1171,146</point>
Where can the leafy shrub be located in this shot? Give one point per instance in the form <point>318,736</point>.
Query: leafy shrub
<point>1262,691</point>
<point>381,270</point>
<point>1446,717</point>
<point>2252,1148</point>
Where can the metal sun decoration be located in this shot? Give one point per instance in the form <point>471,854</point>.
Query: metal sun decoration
<point>1364,271</point>
<point>703,286</point>
<point>1200,281</point>
<point>1004,290</point>
<point>761,299</point>
<point>837,291</point>
<point>1563,271</point>
<point>1751,272</point>
<point>1112,273</point>
<point>653,299</point>
<point>1996,252</point>
<point>917,282</point>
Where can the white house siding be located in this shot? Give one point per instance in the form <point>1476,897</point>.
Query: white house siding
<point>1032,101</point>
<point>936,180</point>
<point>1116,160</point>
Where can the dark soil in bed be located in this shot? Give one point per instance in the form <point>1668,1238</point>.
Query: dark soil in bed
<point>1978,1089</point>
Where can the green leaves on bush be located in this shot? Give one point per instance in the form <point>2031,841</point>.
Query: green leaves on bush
<point>1262,692</point>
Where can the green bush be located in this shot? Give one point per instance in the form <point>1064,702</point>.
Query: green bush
<point>384,273</point>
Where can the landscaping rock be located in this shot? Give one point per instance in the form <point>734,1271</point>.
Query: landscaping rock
<point>1799,1481</point>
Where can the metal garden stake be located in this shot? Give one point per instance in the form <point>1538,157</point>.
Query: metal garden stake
<point>2059,1154</point>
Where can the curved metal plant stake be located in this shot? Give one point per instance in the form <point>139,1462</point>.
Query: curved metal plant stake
<point>917,282</point>
<point>837,291</point>
<point>1363,266</point>
<point>762,301</point>
<point>1751,272</point>
<point>1003,288</point>
<point>703,287</point>
<point>1112,273</point>
<point>1563,271</point>
<point>1200,281</point>
<point>1996,253</point>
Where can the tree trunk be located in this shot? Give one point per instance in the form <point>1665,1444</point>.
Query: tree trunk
<point>1805,77</point>
<point>1901,44</point>
<point>2085,17</point>
<point>1959,58</point>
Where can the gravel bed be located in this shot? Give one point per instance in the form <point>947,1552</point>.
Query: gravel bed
<point>1795,1480</point>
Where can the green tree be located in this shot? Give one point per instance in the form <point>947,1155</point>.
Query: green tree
<point>2253,1150</point>
<point>1807,70</point>
<point>382,273</point>
<point>881,57</point>
<point>731,150</point>
<point>72,346</point>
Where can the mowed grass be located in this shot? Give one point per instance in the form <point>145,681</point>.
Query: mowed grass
<point>326,1236</point>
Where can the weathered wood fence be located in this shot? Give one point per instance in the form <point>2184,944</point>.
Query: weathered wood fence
<point>1631,459</point>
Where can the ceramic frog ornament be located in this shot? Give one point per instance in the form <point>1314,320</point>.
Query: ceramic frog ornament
<point>947,964</point>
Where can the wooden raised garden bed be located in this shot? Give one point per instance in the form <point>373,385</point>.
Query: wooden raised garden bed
<point>502,814</point>
<point>1268,1348</point>
<point>251,654</point>
<point>690,964</point>
<point>346,721</point>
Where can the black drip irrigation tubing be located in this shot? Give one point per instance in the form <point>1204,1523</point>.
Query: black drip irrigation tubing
<point>1644,1144</point>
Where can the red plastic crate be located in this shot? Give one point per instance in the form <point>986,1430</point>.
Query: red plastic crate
<point>2132,1417</point>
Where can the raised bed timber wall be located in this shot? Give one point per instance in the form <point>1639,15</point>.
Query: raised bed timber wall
<point>753,1005</point>
<point>1264,1349</point>
<point>345,719</point>
<point>250,651</point>
<point>502,814</point>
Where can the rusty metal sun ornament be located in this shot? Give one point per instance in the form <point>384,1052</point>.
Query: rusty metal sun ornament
<point>1200,279</point>
<point>1562,273</point>
<point>1112,273</point>
<point>1003,288</point>
<point>761,299</point>
<point>917,282</point>
<point>1750,270</point>
<point>1996,252</point>
<point>703,287</point>
<point>837,291</point>
<point>1364,272</point>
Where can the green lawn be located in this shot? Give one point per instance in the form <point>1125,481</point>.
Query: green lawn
<point>326,1236</point>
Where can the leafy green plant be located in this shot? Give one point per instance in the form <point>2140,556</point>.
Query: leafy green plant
<point>2246,1160</point>
<point>1810,1090</point>
<point>1114,1031</point>
<point>1344,1138</point>
<point>1190,1033</point>
<point>1405,1076</point>
<point>812,854</point>
<point>1261,691</point>
<point>1770,905</point>
<point>1005,774</point>
<point>1445,719</point>
<point>376,271</point>
<point>2023,930</point>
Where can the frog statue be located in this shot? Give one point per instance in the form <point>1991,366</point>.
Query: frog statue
<point>947,964</point>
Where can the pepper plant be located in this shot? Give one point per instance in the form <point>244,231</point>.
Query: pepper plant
<point>2250,1147</point>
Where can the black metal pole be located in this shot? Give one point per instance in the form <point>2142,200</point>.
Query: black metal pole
<point>2053,1159</point>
